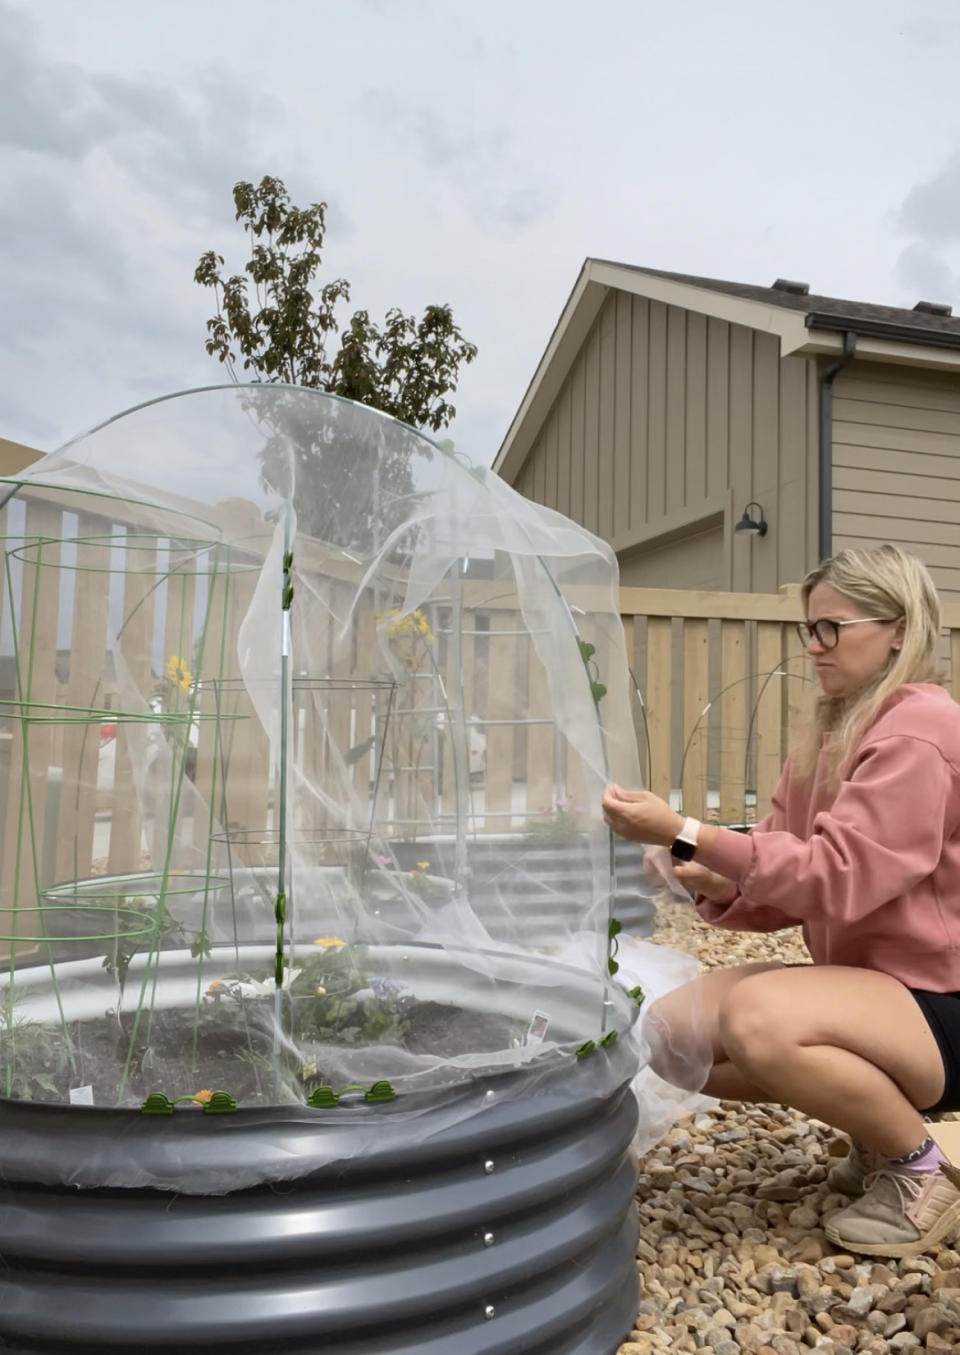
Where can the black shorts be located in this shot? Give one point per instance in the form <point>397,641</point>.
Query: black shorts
<point>942,1013</point>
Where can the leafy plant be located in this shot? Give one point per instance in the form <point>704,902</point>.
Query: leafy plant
<point>563,823</point>
<point>145,921</point>
<point>34,1058</point>
<point>334,1001</point>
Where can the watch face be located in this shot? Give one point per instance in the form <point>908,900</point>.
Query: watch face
<point>682,851</point>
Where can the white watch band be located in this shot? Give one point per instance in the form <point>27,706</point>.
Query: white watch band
<point>690,832</point>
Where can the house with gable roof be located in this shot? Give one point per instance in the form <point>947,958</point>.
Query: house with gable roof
<point>668,410</point>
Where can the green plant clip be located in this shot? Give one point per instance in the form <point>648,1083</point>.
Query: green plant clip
<point>220,1103</point>
<point>323,1098</point>
<point>157,1104</point>
<point>287,595</point>
<point>614,929</point>
<point>586,1049</point>
<point>280,912</point>
<point>597,689</point>
<point>637,994</point>
<point>608,1039</point>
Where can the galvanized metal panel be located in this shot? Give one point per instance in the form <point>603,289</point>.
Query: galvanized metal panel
<point>511,1231</point>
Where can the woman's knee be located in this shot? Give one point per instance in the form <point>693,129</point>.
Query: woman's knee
<point>755,1031</point>
<point>680,1038</point>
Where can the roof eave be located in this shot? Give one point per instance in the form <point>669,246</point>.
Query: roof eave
<point>873,348</point>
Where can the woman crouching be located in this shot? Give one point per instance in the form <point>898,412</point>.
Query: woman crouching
<point>861,849</point>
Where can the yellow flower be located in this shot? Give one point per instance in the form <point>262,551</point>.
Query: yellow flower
<point>321,991</point>
<point>415,623</point>
<point>178,672</point>
<point>329,942</point>
<point>421,865</point>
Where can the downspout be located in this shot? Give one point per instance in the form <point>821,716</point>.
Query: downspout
<point>826,442</point>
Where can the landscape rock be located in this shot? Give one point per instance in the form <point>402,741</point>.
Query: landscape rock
<point>733,1256</point>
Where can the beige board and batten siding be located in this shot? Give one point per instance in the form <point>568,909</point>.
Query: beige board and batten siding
<point>896,465</point>
<point>15,456</point>
<point>667,423</point>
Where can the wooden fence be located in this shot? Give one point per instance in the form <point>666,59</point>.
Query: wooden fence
<point>719,677</point>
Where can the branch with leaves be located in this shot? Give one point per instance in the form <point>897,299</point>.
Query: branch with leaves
<point>277,323</point>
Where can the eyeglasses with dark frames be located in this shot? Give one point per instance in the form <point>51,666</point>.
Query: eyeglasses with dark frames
<point>827,632</point>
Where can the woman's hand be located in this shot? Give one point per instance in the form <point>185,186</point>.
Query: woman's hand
<point>641,816</point>
<point>699,880</point>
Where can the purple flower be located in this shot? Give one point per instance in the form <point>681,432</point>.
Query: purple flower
<point>383,986</point>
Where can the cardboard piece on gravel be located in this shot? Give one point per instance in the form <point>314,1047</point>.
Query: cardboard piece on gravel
<point>946,1135</point>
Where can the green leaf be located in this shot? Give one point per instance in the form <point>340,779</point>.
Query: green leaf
<point>598,691</point>
<point>587,650</point>
<point>200,946</point>
<point>612,965</point>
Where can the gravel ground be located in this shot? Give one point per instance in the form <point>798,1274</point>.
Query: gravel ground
<point>732,1256</point>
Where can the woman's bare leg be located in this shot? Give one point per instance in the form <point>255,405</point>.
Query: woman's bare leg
<point>683,1029</point>
<point>847,1046</point>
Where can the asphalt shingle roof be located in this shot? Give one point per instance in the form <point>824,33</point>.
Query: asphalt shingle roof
<point>923,322</point>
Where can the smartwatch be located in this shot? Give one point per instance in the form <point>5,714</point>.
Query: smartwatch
<point>685,843</point>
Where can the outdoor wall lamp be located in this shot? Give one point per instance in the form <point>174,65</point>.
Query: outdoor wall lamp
<point>753,526</point>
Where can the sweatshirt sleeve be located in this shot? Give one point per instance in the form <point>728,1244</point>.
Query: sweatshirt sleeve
<point>882,835</point>
<point>738,913</point>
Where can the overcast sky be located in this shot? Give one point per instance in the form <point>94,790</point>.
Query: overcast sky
<point>470,153</point>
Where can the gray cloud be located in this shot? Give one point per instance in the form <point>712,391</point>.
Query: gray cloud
<point>482,168</point>
<point>183,148</point>
<point>49,108</point>
<point>930,213</point>
<point>926,273</point>
<point>112,187</point>
<point>932,209</point>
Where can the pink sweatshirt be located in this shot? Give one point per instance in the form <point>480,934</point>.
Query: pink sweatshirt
<point>872,871</point>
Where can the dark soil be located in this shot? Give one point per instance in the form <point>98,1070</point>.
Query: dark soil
<point>232,1051</point>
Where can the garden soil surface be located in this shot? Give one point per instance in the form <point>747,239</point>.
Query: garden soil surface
<point>236,1060</point>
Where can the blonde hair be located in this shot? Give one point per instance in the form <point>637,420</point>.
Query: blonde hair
<point>890,585</point>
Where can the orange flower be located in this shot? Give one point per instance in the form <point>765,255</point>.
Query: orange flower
<point>203,1096</point>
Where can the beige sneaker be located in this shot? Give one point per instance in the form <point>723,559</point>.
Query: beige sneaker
<point>848,1176</point>
<point>901,1213</point>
